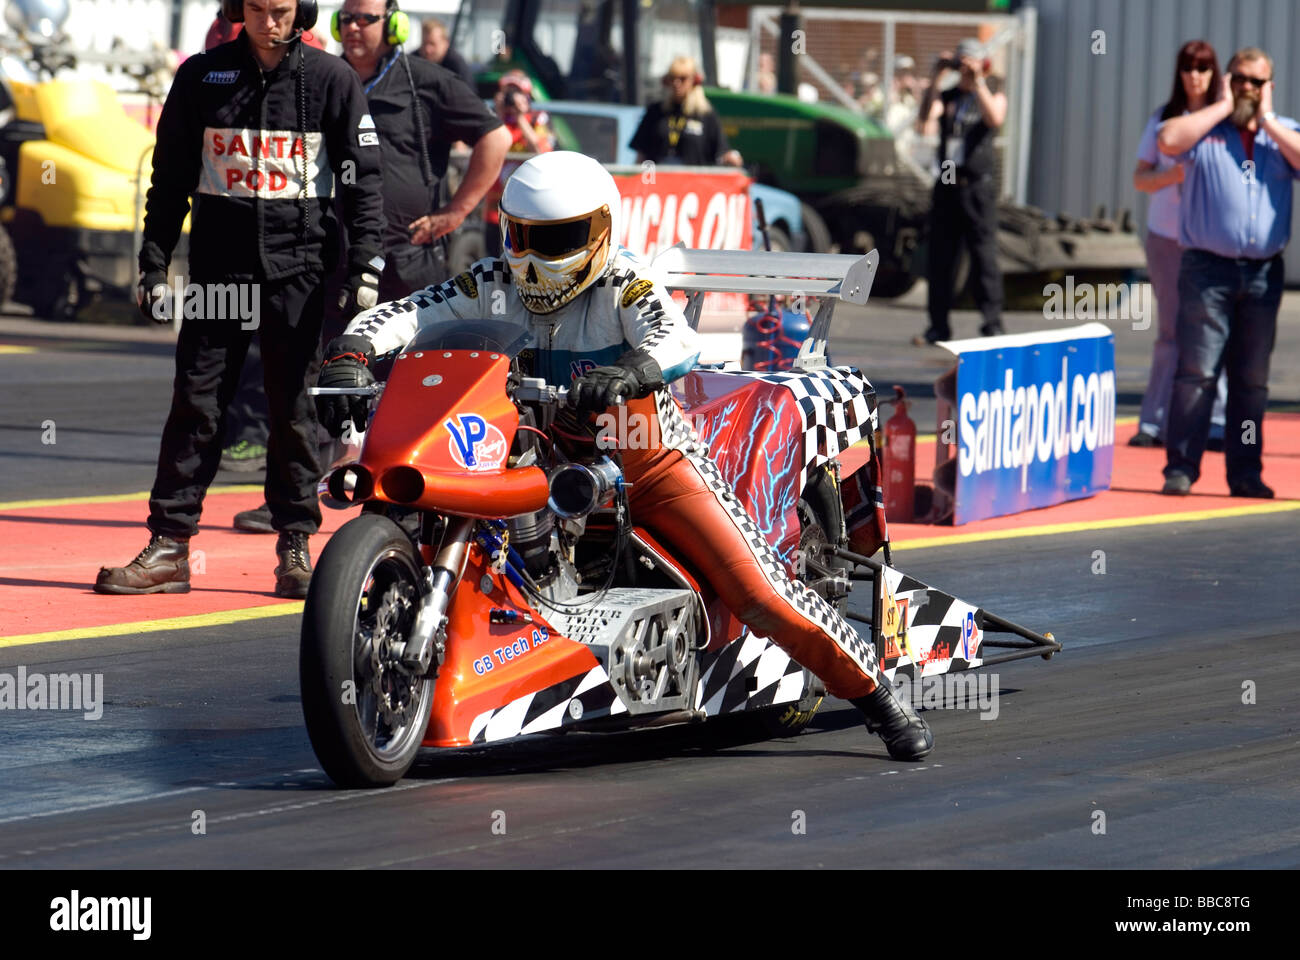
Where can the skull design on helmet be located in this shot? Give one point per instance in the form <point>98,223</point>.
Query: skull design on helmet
<point>558,227</point>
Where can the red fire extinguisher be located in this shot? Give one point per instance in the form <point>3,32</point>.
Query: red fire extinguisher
<point>900,462</point>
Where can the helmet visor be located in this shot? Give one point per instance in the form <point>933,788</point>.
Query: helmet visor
<point>554,239</point>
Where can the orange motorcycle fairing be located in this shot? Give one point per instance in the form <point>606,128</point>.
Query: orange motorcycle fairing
<point>489,666</point>
<point>441,437</point>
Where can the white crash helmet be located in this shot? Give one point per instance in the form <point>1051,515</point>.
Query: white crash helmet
<point>558,225</point>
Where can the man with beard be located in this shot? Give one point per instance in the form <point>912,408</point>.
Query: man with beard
<point>1240,159</point>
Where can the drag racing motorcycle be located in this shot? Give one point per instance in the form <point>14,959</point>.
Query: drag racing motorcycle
<point>495,586</point>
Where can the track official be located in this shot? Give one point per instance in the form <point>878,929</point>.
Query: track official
<point>257,134</point>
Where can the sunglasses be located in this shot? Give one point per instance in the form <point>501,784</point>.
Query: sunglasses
<point>345,19</point>
<point>1196,68</point>
<point>1255,82</point>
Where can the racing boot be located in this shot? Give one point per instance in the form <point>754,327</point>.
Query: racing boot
<point>161,567</point>
<point>294,572</point>
<point>905,734</point>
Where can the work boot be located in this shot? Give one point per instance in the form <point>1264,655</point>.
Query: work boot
<point>905,734</point>
<point>294,572</point>
<point>255,521</point>
<point>161,567</point>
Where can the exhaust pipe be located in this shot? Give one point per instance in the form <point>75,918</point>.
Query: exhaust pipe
<point>577,489</point>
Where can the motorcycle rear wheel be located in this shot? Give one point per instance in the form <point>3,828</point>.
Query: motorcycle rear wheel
<point>365,714</point>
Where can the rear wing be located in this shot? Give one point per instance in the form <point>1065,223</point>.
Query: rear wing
<point>829,277</point>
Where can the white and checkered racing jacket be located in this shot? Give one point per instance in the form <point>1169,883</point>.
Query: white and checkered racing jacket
<point>626,308</point>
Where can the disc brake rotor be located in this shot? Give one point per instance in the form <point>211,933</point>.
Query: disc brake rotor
<point>392,685</point>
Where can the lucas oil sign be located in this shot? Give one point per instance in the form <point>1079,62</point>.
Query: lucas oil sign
<point>1035,420</point>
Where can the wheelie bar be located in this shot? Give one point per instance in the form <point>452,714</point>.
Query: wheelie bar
<point>1030,644</point>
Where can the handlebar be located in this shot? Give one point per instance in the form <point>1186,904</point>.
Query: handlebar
<point>537,390</point>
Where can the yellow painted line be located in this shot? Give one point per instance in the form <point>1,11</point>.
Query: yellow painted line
<point>14,348</point>
<point>153,626</point>
<point>119,497</point>
<point>1113,523</point>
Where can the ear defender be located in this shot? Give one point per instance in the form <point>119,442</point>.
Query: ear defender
<point>397,30</point>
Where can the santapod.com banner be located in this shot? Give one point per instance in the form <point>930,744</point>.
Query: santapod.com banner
<point>1036,420</point>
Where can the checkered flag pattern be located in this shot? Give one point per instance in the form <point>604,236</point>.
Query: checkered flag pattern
<point>936,628</point>
<point>675,432</point>
<point>833,404</point>
<point>752,672</point>
<point>586,696</point>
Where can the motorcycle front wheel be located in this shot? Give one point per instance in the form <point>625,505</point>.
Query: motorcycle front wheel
<point>365,712</point>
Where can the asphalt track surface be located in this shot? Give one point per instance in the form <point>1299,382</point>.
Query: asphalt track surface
<point>1141,718</point>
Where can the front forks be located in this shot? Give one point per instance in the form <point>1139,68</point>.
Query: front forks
<point>440,580</point>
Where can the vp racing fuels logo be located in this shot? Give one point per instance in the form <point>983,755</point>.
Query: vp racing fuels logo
<point>970,636</point>
<point>475,444</point>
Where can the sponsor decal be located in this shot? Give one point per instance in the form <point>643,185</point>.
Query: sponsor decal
<point>970,636</point>
<point>511,651</point>
<point>636,290</point>
<point>368,140</point>
<point>578,368</point>
<point>467,284</point>
<point>221,76</point>
<point>475,444</point>
<point>703,210</point>
<point>367,122</point>
<point>263,163</point>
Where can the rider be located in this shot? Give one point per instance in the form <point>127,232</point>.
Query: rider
<point>610,327</point>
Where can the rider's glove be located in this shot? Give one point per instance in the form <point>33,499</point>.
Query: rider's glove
<point>634,375</point>
<point>349,362</point>
<point>362,290</point>
<point>151,295</point>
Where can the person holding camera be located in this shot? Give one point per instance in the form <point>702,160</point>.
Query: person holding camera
<point>257,135</point>
<point>530,134</point>
<point>964,208</point>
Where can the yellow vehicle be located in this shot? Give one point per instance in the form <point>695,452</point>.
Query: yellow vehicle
<point>73,171</point>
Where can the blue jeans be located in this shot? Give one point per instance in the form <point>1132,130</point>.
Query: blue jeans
<point>1227,320</point>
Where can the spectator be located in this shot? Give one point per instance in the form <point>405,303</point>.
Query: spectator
<point>530,134</point>
<point>414,145</point>
<point>435,46</point>
<point>682,128</point>
<point>964,208</point>
<point>766,73</point>
<point>1196,83</point>
<point>259,160</point>
<point>1240,159</point>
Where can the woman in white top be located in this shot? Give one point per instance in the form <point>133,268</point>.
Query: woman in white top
<point>1196,83</point>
